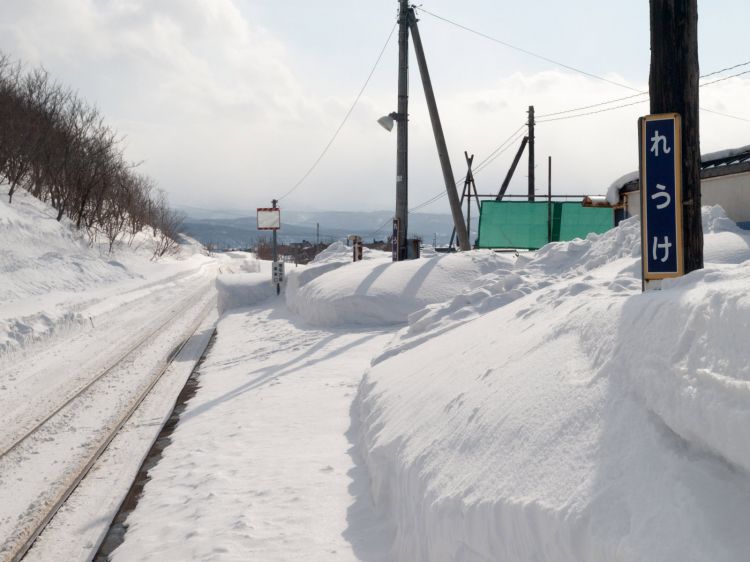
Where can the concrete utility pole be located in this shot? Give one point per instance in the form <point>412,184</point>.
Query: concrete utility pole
<point>402,132</point>
<point>274,202</point>
<point>437,129</point>
<point>673,87</point>
<point>531,153</point>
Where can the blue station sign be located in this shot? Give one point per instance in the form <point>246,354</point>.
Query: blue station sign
<point>661,195</point>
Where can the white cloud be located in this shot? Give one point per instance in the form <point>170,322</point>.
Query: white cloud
<point>212,103</point>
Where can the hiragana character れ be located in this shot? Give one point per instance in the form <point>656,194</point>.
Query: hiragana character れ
<point>666,197</point>
<point>656,139</point>
<point>666,245</point>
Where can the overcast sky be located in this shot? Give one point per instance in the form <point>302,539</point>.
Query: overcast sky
<point>227,103</point>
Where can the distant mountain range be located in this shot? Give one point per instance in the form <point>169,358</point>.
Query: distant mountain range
<point>233,229</point>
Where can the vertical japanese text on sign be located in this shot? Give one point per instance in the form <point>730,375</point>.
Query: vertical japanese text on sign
<point>661,195</point>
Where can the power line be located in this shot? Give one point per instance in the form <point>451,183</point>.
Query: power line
<point>590,106</point>
<point>346,117</point>
<point>514,136</point>
<point>725,78</point>
<point>505,145</point>
<point>592,112</point>
<point>642,101</point>
<point>725,69</point>
<point>589,74</point>
<point>499,149</point>
<point>527,52</point>
<point>375,232</point>
<point>490,160</point>
<point>724,114</point>
<point>429,201</point>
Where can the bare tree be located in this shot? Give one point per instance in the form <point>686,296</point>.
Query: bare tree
<point>58,148</point>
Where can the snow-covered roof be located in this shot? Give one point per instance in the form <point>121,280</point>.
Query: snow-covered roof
<point>740,154</point>
<point>613,191</point>
<point>718,163</point>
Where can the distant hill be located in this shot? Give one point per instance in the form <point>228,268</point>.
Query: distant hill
<point>229,229</point>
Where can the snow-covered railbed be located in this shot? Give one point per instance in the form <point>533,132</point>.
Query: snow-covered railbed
<point>46,459</point>
<point>80,525</point>
<point>262,465</point>
<point>85,329</point>
<point>36,384</point>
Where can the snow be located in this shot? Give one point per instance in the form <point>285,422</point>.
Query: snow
<point>51,276</point>
<point>242,282</point>
<point>377,292</point>
<point>613,191</point>
<point>69,311</point>
<point>262,465</point>
<point>726,153</point>
<point>579,421</point>
<point>460,407</point>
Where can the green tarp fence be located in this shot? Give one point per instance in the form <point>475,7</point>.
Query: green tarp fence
<point>525,224</point>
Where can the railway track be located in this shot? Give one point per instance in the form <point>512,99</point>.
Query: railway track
<point>71,436</point>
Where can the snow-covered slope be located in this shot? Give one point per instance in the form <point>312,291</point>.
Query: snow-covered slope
<point>558,414</point>
<point>49,272</point>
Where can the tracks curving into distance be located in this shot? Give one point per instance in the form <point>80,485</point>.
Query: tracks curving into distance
<point>35,512</point>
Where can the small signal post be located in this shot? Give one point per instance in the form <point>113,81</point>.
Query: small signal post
<point>269,218</point>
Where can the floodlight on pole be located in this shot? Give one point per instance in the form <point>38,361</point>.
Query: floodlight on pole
<point>387,121</point>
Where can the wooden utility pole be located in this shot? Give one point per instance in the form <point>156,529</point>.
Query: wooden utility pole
<point>531,152</point>
<point>469,186</point>
<point>673,87</point>
<point>437,130</point>
<point>402,132</point>
<point>511,170</point>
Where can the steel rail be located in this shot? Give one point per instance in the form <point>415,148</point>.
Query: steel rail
<point>189,301</point>
<point>18,551</point>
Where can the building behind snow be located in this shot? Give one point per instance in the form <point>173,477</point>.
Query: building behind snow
<point>725,181</point>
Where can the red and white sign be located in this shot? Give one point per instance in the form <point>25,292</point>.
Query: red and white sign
<point>269,219</point>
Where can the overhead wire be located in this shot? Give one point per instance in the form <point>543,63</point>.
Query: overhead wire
<point>591,112</point>
<point>589,74</point>
<point>544,118</point>
<point>724,78</point>
<point>515,136</point>
<point>343,122</point>
<point>548,117</point>
<point>526,51</point>
<point>583,107</point>
<point>504,146</point>
<point>495,156</point>
<point>725,114</point>
<point>725,69</point>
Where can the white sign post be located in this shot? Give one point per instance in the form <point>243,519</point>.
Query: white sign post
<point>269,218</point>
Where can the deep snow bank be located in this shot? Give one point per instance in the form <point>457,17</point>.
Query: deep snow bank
<point>558,414</point>
<point>243,281</point>
<point>334,291</point>
<point>48,270</point>
<point>39,254</point>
